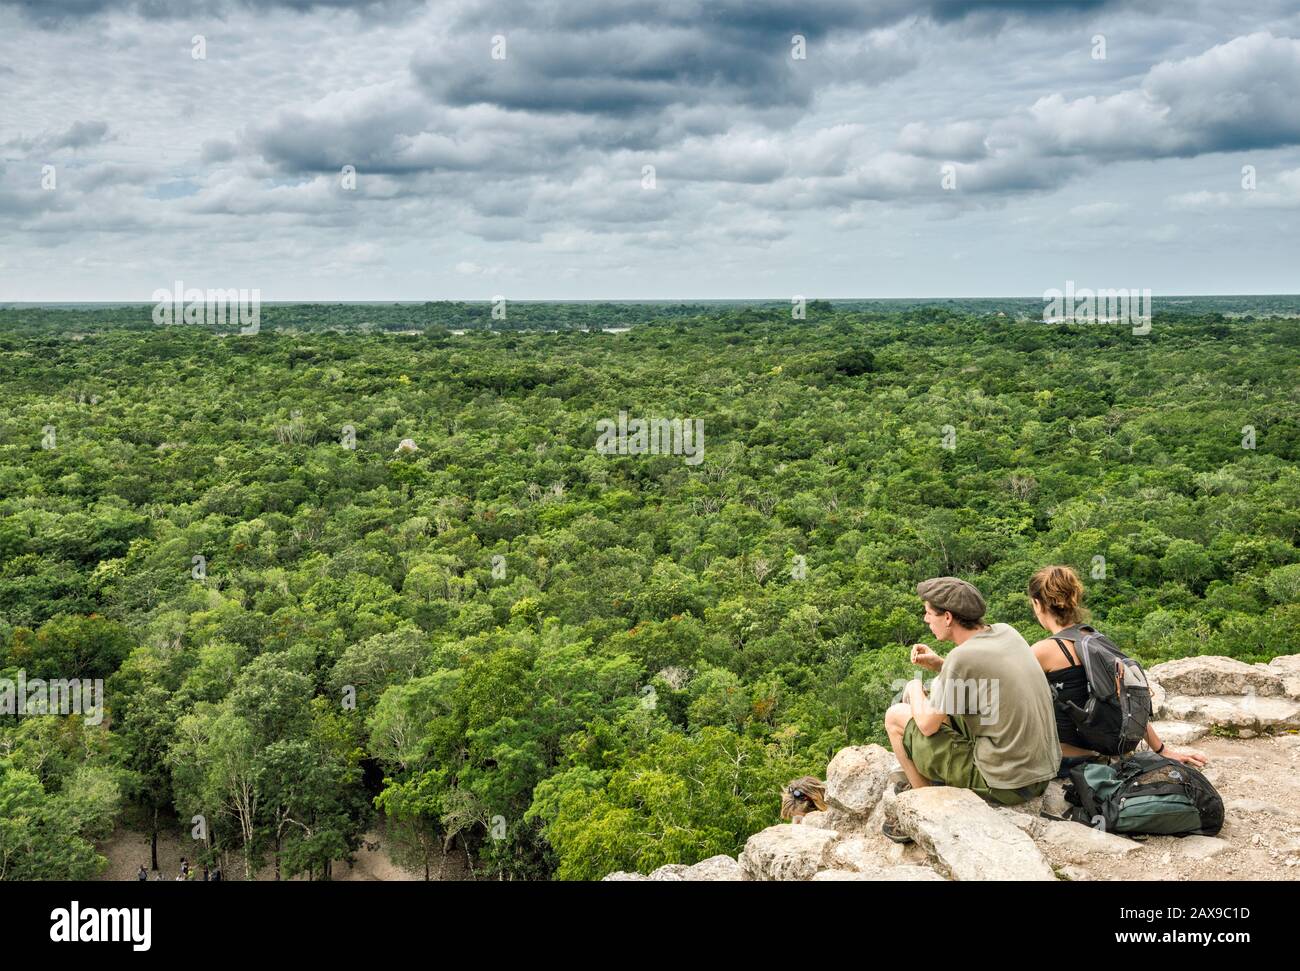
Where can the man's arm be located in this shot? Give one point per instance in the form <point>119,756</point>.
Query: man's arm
<point>928,719</point>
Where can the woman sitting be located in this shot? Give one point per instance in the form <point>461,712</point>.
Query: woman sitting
<point>1057,596</point>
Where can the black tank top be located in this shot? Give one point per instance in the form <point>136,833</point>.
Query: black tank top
<point>1071,687</point>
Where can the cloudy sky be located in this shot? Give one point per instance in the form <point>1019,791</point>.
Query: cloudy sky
<point>918,148</point>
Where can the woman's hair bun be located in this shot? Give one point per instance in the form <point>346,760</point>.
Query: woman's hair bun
<point>1059,589</point>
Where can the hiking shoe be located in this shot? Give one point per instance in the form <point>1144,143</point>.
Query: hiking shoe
<point>897,835</point>
<point>904,785</point>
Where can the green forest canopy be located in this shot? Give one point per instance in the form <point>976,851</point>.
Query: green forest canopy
<point>569,662</point>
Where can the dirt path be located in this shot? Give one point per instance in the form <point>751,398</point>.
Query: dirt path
<point>126,849</point>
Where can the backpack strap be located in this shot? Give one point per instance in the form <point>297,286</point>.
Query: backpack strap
<point>1075,632</point>
<point>1061,644</point>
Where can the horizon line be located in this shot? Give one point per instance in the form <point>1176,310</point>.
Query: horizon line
<point>633,300</point>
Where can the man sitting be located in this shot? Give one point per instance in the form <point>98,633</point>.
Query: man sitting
<point>988,724</point>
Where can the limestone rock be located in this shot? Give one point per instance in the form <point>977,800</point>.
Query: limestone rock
<point>788,852</point>
<point>1075,874</point>
<point>1212,675</point>
<point>884,811</point>
<point>719,867</point>
<point>1287,668</point>
<point>1157,696</point>
<point>1054,801</point>
<point>1069,842</point>
<point>836,820</point>
<point>1029,825</point>
<point>966,838</point>
<point>819,819</point>
<point>715,868</point>
<point>862,853</point>
<point>1202,847</point>
<point>1177,733</point>
<point>1051,803</point>
<point>1065,841</point>
<point>905,872</point>
<point>898,853</point>
<point>1236,713</point>
<point>1030,807</point>
<point>670,872</point>
<point>857,777</point>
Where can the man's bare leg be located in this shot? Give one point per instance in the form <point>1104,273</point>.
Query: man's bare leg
<point>896,719</point>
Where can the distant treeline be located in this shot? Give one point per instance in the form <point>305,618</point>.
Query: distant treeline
<point>451,315</point>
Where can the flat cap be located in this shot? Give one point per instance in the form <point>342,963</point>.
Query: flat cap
<point>950,593</point>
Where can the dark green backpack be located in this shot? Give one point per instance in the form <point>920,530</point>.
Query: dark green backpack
<point>1144,793</point>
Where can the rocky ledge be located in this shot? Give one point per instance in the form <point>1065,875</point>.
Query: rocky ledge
<point>956,835</point>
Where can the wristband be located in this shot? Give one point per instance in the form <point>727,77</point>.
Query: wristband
<point>1161,748</point>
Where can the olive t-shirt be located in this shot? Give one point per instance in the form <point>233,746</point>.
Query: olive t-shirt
<point>993,682</point>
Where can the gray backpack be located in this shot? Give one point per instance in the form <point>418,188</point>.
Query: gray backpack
<point>1114,718</point>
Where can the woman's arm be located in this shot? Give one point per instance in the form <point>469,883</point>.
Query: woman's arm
<point>1188,756</point>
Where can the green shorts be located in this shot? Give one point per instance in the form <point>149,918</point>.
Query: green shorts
<point>948,756</point>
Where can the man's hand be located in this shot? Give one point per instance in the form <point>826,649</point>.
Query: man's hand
<point>923,657</point>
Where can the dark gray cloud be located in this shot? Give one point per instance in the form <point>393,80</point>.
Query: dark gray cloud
<point>630,69</point>
<point>50,13</point>
<point>814,16</point>
<point>948,10</point>
<point>578,79</point>
<point>630,57</point>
